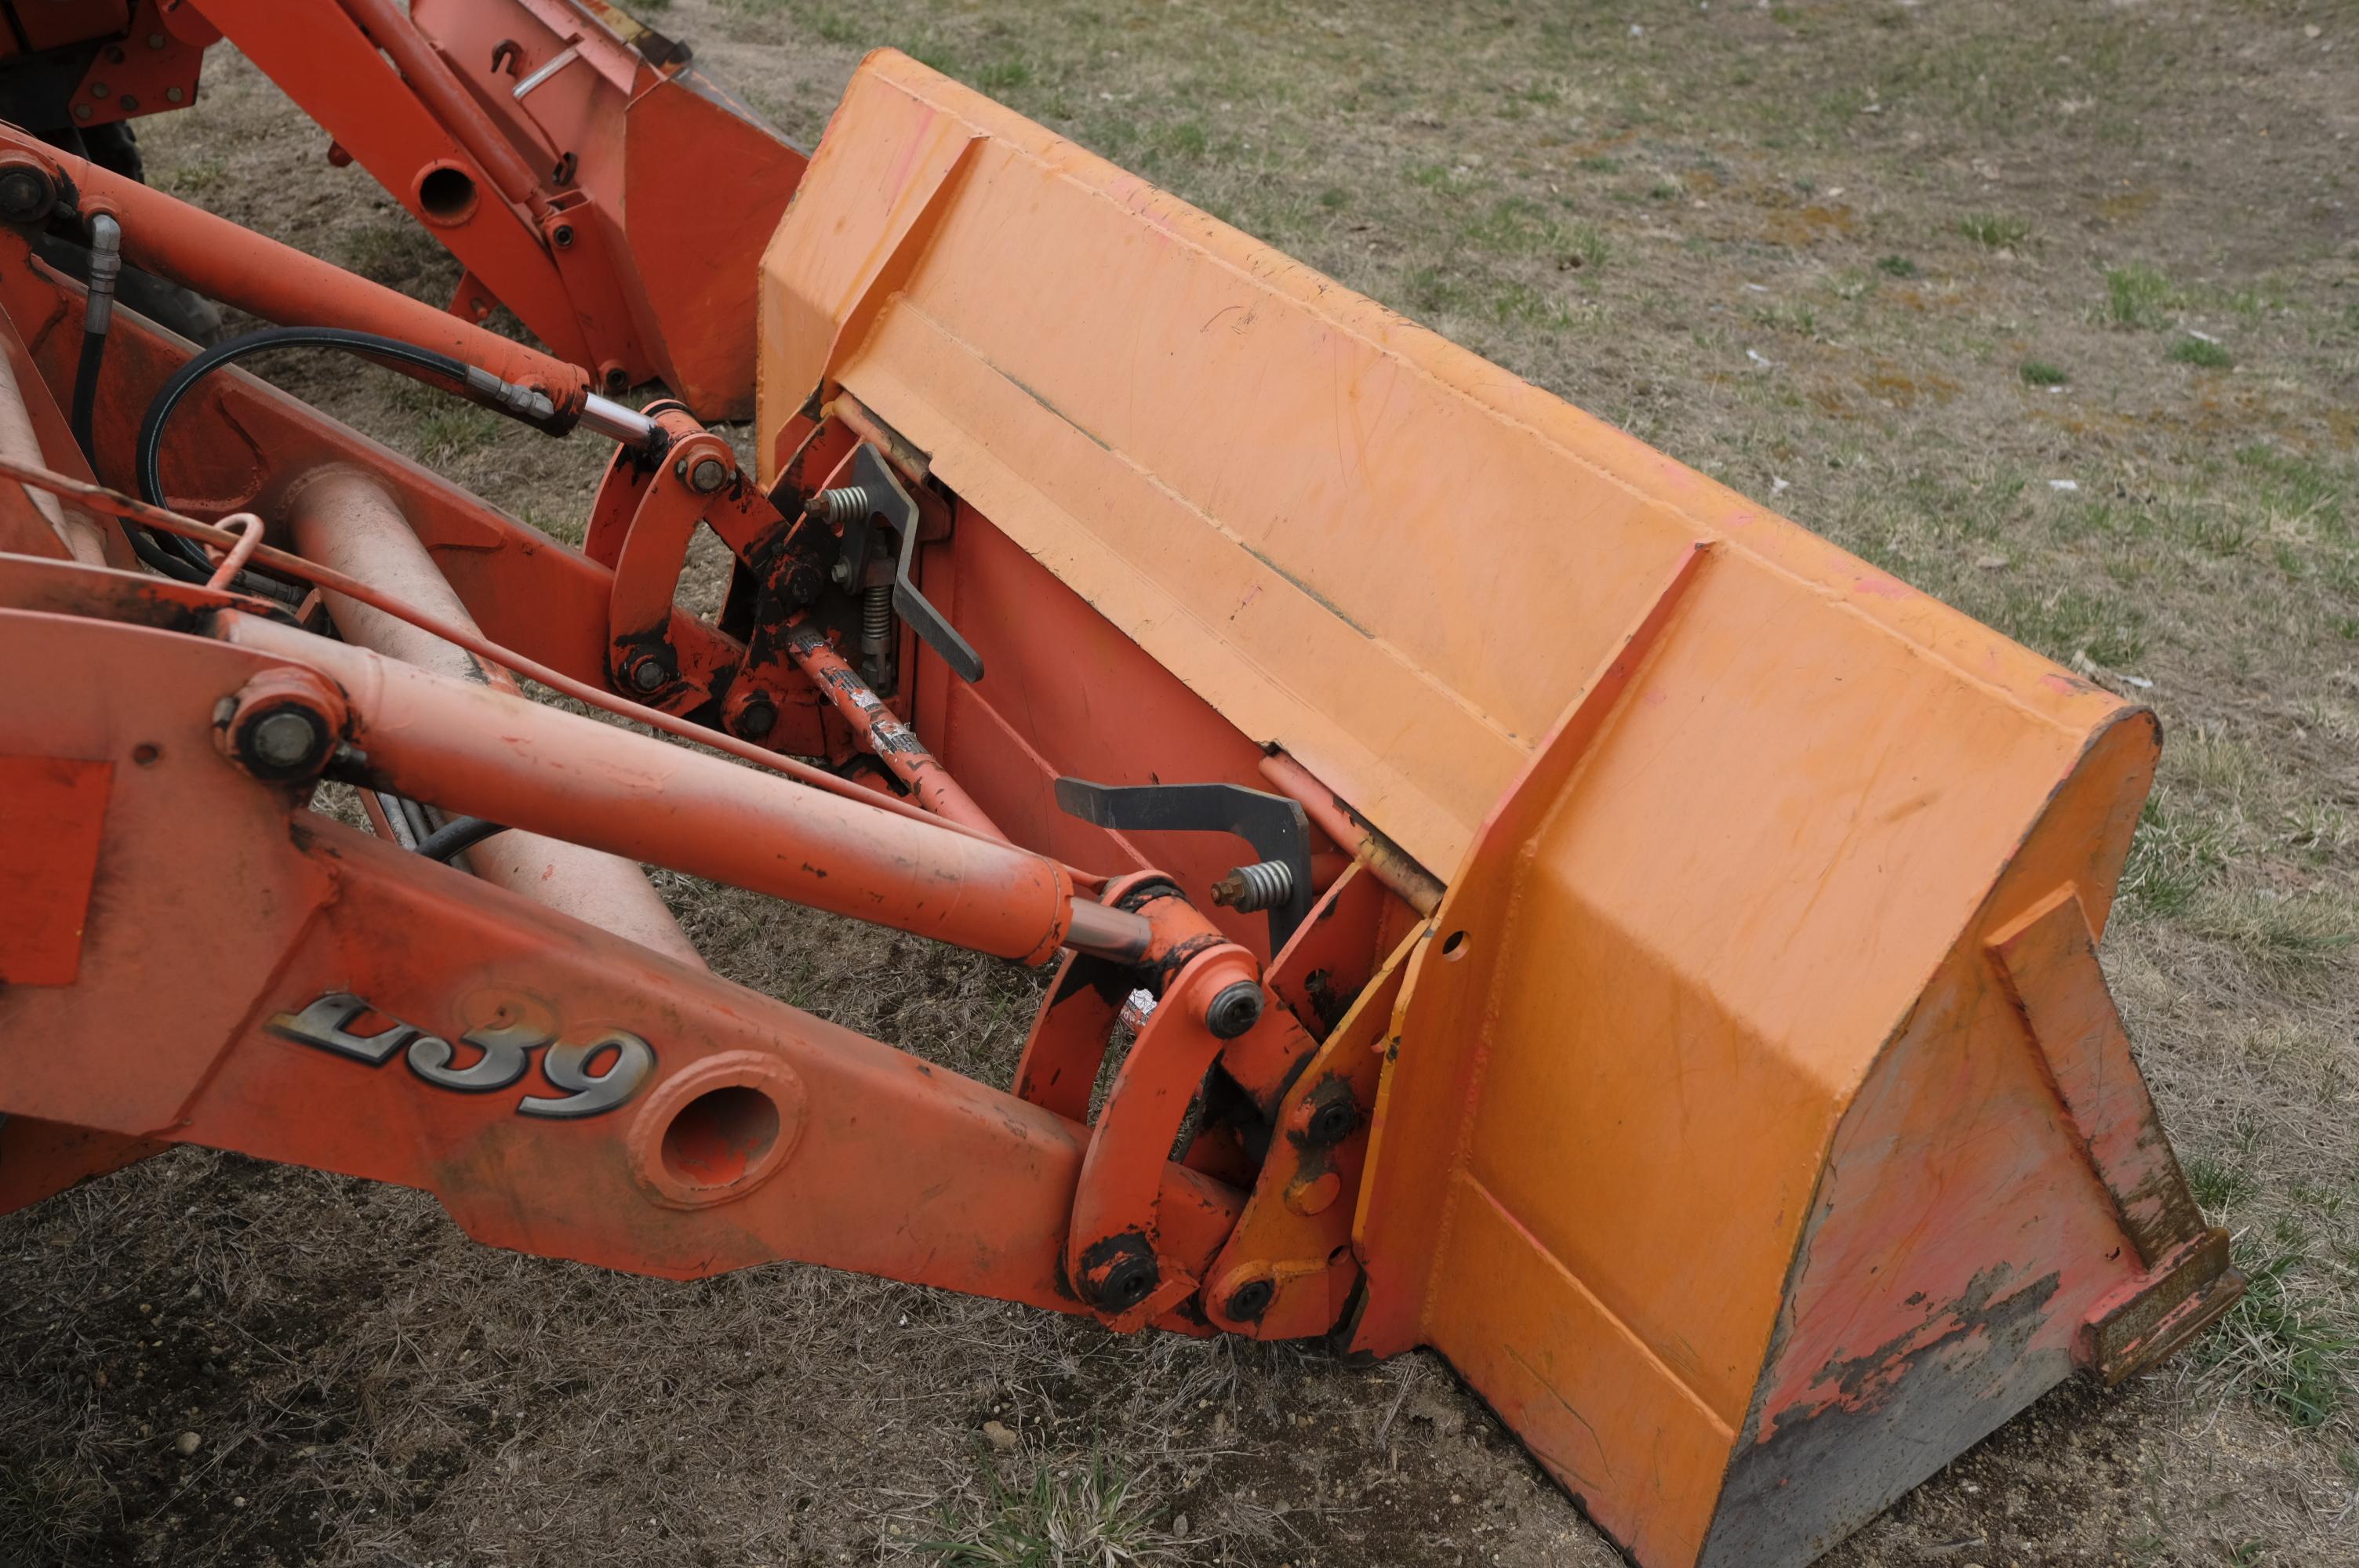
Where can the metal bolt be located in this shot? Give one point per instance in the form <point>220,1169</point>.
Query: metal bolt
<point>1333,1120</point>
<point>841,573</point>
<point>173,95</point>
<point>98,89</point>
<point>130,104</point>
<point>283,739</point>
<point>1235,1009</point>
<point>709,475</point>
<point>648,674</point>
<point>1249,890</point>
<point>81,111</point>
<point>757,719</point>
<point>1130,1282</point>
<point>1249,1301</point>
<point>25,195</point>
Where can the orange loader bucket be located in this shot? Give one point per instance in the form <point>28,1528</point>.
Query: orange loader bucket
<point>1754,1131</point>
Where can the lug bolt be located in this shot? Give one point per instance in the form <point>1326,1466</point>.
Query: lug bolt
<point>281,726</point>
<point>1235,1009</point>
<point>1249,1301</point>
<point>1130,1282</point>
<point>285,740</point>
<point>648,674</point>
<point>1333,1117</point>
<point>26,194</point>
<point>709,475</point>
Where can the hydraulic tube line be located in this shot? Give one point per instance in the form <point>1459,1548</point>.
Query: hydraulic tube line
<point>468,747</point>
<point>1418,887</point>
<point>343,519</point>
<point>877,730</point>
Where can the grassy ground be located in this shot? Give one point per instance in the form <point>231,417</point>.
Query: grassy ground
<point>2051,310</point>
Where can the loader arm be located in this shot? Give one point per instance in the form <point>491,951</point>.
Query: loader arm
<point>582,170</point>
<point>1682,1008</point>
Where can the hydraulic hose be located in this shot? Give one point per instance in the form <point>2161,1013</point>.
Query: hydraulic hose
<point>98,313</point>
<point>458,834</point>
<point>172,556</point>
<point>149,453</point>
<point>460,379</point>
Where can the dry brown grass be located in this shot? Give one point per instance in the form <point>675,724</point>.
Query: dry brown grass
<point>1810,248</point>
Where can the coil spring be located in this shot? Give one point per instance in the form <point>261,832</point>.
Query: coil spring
<point>877,617</point>
<point>1264,885</point>
<point>843,506</point>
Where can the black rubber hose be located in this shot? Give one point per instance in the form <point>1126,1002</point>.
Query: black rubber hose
<point>168,397</point>
<point>460,833</point>
<point>85,396</point>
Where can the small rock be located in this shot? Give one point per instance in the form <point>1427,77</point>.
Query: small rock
<point>188,1442</point>
<point>2064,484</point>
<point>1000,1437</point>
<point>1178,1524</point>
<point>1991,563</point>
<point>2312,31</point>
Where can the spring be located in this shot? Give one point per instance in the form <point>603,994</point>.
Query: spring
<point>1264,885</point>
<point>877,618</point>
<point>843,506</point>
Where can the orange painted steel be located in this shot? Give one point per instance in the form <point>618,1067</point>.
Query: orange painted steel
<point>879,733</point>
<point>471,748</point>
<point>222,260</point>
<point>192,1028</point>
<point>585,173</point>
<point>1416,885</point>
<point>48,527</point>
<point>1696,782</point>
<point>1706,1050</point>
<point>427,75</point>
<point>345,519</point>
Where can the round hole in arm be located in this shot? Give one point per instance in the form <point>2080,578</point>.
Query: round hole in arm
<point>719,1136</point>
<point>1454,945</point>
<point>716,1130</point>
<point>446,194</point>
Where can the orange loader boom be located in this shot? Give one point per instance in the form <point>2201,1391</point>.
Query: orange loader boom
<point>552,146</point>
<point>1595,928</point>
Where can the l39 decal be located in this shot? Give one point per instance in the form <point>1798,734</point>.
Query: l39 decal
<point>598,1071</point>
